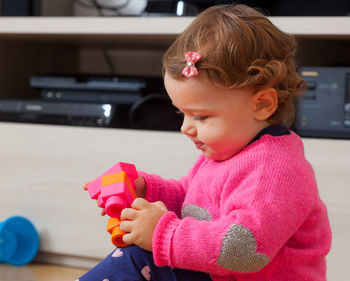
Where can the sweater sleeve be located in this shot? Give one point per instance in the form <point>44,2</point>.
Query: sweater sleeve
<point>258,214</point>
<point>171,192</point>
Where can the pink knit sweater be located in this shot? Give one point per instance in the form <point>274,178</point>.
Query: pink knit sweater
<point>255,216</point>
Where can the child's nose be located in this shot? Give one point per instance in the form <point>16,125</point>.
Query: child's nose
<point>188,128</point>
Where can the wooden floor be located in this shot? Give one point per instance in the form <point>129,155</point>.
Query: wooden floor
<point>40,272</point>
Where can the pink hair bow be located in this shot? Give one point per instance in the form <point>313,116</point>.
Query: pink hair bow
<point>190,70</point>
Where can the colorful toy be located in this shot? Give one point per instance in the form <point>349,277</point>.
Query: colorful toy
<point>19,241</point>
<point>113,227</point>
<point>114,190</point>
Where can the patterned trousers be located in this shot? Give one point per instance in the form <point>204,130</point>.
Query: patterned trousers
<point>135,264</point>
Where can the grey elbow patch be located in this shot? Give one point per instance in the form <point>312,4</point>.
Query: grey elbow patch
<point>238,251</point>
<point>196,212</point>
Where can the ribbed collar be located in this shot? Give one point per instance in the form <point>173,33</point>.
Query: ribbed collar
<point>273,130</point>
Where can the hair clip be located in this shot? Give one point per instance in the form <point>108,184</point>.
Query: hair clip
<point>190,70</point>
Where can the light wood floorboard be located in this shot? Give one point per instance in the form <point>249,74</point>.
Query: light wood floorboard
<point>40,272</point>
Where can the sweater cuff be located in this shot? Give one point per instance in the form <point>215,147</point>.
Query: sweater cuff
<point>163,237</point>
<point>152,186</point>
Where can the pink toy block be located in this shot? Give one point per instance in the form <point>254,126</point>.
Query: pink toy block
<point>116,189</point>
<point>94,187</point>
<point>117,193</point>
<point>116,197</point>
<point>130,169</point>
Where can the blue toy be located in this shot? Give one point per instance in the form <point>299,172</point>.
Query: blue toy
<point>19,241</point>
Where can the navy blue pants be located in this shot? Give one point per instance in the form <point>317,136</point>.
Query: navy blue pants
<point>135,264</point>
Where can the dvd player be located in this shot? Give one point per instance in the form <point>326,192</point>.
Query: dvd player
<point>95,89</point>
<point>37,111</point>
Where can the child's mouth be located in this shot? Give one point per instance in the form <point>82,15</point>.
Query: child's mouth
<point>200,145</point>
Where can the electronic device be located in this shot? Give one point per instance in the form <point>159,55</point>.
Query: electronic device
<point>95,89</point>
<point>270,7</point>
<point>20,8</point>
<point>104,101</point>
<point>37,111</point>
<point>302,8</point>
<point>139,103</point>
<point>324,110</point>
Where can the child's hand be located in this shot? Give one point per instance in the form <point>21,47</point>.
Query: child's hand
<point>141,221</point>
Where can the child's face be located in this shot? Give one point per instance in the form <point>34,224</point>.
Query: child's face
<point>220,122</point>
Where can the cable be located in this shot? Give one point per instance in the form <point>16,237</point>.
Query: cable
<point>94,5</point>
<point>98,8</point>
<point>84,4</point>
<point>109,61</point>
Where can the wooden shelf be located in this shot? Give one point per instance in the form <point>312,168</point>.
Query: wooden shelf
<point>160,26</point>
<point>154,33</point>
<point>94,25</point>
<point>316,27</point>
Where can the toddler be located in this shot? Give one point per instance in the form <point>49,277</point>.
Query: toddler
<point>249,208</point>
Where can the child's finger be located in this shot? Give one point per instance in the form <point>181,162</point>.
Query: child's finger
<point>85,185</point>
<point>128,214</point>
<point>140,203</point>
<point>126,225</point>
<point>128,238</point>
<point>103,211</point>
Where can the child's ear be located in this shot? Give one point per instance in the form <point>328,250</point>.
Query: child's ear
<point>265,103</point>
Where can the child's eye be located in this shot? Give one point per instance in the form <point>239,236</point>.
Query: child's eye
<point>199,118</point>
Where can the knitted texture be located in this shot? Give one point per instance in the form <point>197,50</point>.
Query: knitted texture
<point>255,216</point>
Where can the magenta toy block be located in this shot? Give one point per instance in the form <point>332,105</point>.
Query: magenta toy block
<point>116,189</point>
<point>100,202</point>
<point>130,169</point>
<point>94,188</point>
<point>116,197</point>
<point>115,205</point>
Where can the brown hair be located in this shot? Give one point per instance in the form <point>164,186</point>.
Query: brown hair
<point>240,48</point>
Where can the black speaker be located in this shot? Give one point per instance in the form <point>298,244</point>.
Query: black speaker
<point>270,7</point>
<point>19,8</point>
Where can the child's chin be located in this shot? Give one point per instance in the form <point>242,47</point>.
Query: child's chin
<point>212,156</point>
<point>218,157</point>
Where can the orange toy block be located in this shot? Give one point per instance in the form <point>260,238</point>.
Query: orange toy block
<point>113,227</point>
